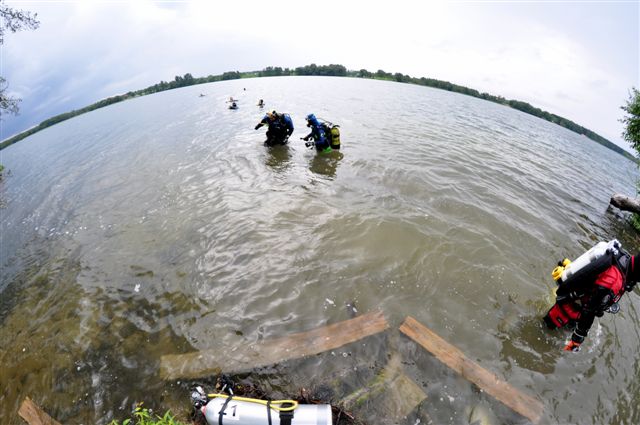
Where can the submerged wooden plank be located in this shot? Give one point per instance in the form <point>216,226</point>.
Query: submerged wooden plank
<point>264,353</point>
<point>33,415</point>
<point>392,391</point>
<point>525,405</point>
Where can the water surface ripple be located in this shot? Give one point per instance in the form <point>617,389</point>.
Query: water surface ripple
<point>162,225</point>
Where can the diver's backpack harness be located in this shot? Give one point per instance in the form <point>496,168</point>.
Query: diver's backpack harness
<point>576,286</point>
<point>223,408</point>
<point>576,279</point>
<point>285,415</point>
<point>332,133</point>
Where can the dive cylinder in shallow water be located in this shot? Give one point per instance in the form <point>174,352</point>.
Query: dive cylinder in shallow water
<point>332,133</point>
<point>334,137</point>
<point>243,411</point>
<point>569,268</point>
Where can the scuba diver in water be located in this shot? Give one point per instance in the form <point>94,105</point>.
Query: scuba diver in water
<point>280,128</point>
<point>261,103</point>
<point>331,133</point>
<point>591,286</point>
<point>233,106</point>
<point>320,141</point>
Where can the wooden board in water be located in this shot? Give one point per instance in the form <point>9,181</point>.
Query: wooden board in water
<point>392,391</point>
<point>521,403</point>
<point>264,353</point>
<point>33,415</point>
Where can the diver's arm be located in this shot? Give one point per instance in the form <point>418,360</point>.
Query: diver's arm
<point>264,121</point>
<point>600,300</point>
<point>582,328</point>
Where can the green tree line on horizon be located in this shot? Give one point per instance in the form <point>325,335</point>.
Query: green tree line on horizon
<point>324,70</point>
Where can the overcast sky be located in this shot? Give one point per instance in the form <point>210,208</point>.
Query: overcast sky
<point>576,59</point>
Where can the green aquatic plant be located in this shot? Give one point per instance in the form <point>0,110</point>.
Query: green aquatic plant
<point>144,416</point>
<point>635,221</point>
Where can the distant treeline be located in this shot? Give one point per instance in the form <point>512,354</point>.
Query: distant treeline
<point>324,70</point>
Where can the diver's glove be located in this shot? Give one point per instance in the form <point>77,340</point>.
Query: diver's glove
<point>257,126</point>
<point>572,346</point>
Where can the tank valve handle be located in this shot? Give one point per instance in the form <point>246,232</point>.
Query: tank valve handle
<point>557,272</point>
<point>226,384</point>
<point>199,398</point>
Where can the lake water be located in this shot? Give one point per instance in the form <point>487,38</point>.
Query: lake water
<point>162,225</point>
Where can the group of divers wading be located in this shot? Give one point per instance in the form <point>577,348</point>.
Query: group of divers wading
<point>586,288</point>
<point>325,135</point>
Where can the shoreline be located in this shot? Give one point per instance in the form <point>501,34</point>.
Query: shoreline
<point>323,70</point>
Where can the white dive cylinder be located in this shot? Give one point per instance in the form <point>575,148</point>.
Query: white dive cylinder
<point>591,255</point>
<point>240,412</point>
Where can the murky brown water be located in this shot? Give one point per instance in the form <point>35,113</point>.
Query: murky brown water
<point>162,225</point>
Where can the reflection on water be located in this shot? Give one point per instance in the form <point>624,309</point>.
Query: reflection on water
<point>278,158</point>
<point>326,164</point>
<point>530,345</point>
<point>162,225</point>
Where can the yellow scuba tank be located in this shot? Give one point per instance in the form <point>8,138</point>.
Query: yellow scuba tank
<point>332,133</point>
<point>335,137</point>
